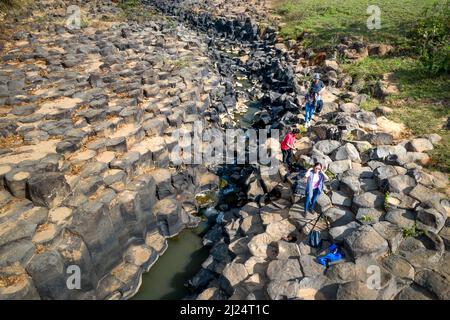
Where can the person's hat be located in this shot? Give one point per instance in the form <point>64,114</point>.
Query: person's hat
<point>317,76</point>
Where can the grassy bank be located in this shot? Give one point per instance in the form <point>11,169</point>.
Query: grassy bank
<point>423,100</point>
<point>326,21</point>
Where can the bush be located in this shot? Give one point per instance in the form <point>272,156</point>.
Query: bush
<point>431,35</point>
<point>8,5</point>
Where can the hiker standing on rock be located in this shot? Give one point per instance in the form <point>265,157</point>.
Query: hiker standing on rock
<point>315,177</point>
<point>317,85</point>
<point>309,109</point>
<point>287,146</point>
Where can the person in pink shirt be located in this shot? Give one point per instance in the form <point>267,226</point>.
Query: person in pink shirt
<point>315,178</point>
<point>287,146</point>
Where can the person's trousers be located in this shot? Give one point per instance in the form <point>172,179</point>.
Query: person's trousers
<point>287,156</point>
<point>311,201</point>
<point>309,111</point>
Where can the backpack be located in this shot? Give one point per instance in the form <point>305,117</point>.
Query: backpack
<point>319,106</point>
<point>314,239</point>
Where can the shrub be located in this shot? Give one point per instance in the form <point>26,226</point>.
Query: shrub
<point>414,231</point>
<point>431,35</point>
<point>12,5</point>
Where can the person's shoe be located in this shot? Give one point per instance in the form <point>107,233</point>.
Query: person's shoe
<point>306,125</point>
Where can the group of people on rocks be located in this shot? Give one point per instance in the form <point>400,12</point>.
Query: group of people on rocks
<point>314,176</point>
<point>313,103</point>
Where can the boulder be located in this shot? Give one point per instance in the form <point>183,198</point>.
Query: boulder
<point>401,184</point>
<point>401,201</point>
<point>339,216</point>
<point>419,145</point>
<point>18,251</point>
<point>399,267</point>
<point>255,189</point>
<point>338,234</point>
<point>249,209</point>
<point>366,241</point>
<point>254,282</point>
<point>284,270</point>
<point>422,251</point>
<point>48,189</point>
<point>323,203</point>
<point>369,215</point>
<point>379,138</point>
<point>341,272</point>
<point>347,151</point>
<point>350,184</point>
<point>256,265</point>
<point>252,225</point>
<point>415,292</point>
<point>17,284</point>
<point>287,250</point>
<point>356,290</point>
<point>310,266</point>
<point>403,218</point>
<point>434,282</point>
<point>279,229</point>
<point>260,245</point>
<point>422,193</point>
<point>349,107</point>
<point>429,218</point>
<point>168,216</point>
<point>49,276</point>
<point>239,246</point>
<point>327,146</point>
<point>383,173</point>
<point>366,120</point>
<point>278,289</point>
<point>397,130</point>
<point>340,199</point>
<point>234,273</point>
<point>372,199</point>
<point>341,166</point>
<point>163,180</point>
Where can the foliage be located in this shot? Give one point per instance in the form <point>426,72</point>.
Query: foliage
<point>367,218</point>
<point>134,10</point>
<point>386,200</point>
<point>414,231</point>
<point>432,37</point>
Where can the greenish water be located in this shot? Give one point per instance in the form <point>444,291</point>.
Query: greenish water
<point>181,261</point>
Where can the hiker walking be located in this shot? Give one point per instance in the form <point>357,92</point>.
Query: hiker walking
<point>309,109</point>
<point>287,146</point>
<point>317,85</point>
<point>314,185</point>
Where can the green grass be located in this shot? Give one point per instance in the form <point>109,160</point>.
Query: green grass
<point>326,21</point>
<point>413,80</point>
<point>135,10</point>
<point>422,104</point>
<point>180,63</point>
<point>14,8</point>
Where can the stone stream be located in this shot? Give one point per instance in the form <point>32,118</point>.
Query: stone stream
<point>86,177</point>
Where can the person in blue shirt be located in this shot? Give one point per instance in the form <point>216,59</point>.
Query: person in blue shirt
<point>309,109</point>
<point>317,85</point>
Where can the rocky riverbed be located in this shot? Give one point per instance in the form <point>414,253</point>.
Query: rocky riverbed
<point>86,121</point>
<point>380,205</point>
